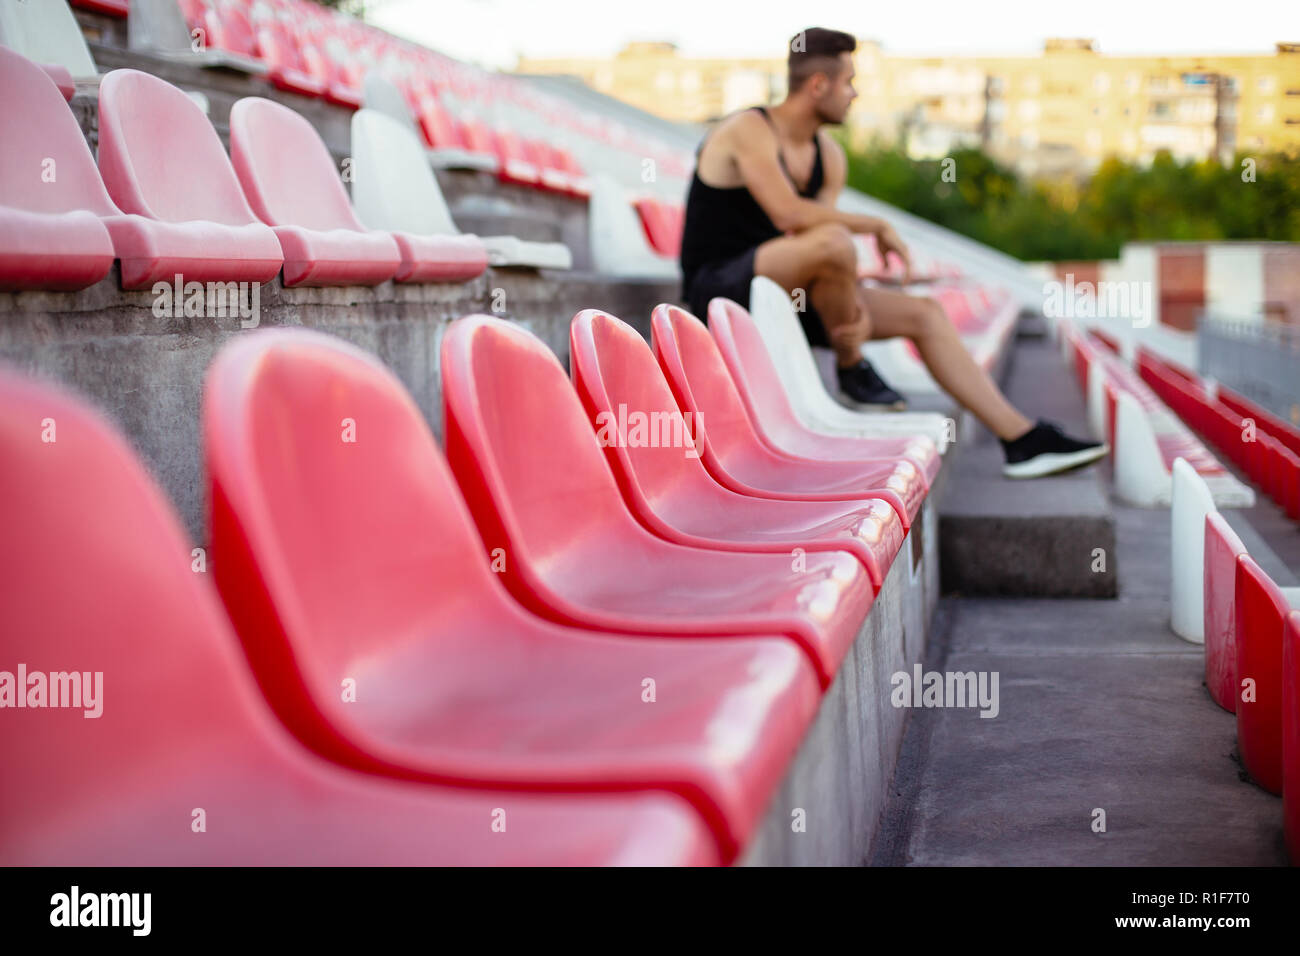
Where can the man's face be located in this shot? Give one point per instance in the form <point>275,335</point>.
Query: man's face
<point>833,94</point>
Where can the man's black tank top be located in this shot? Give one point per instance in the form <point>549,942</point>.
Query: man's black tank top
<point>722,223</point>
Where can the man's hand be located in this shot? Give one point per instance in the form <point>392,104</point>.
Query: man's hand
<point>887,241</point>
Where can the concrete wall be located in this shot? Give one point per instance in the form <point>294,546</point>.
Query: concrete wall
<point>147,372</point>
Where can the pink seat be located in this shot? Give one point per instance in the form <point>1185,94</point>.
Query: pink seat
<point>537,483</point>
<point>290,181</point>
<point>371,572</point>
<point>1222,547</point>
<point>1261,606</point>
<point>671,492</point>
<point>768,407</point>
<point>663,225</point>
<point>112,8</point>
<point>163,162</point>
<point>183,726</point>
<point>51,196</point>
<point>732,450</point>
<point>1291,735</point>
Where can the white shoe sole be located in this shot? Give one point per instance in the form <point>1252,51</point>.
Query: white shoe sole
<point>860,406</point>
<point>1051,463</point>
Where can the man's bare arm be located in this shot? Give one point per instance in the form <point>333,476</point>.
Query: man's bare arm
<point>836,167</point>
<point>755,149</point>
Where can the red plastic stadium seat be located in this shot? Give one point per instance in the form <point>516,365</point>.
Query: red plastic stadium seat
<point>1261,606</point>
<point>228,29</point>
<point>279,50</point>
<point>663,225</point>
<point>370,573</point>
<point>183,727</point>
<point>537,483</point>
<point>1222,547</point>
<point>113,8</point>
<point>62,79</point>
<point>163,162</point>
<point>51,196</point>
<point>292,185</point>
<point>672,493</point>
<point>759,385</point>
<point>1291,734</point>
<point>732,450</point>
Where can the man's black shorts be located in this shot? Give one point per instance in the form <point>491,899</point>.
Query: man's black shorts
<point>730,278</point>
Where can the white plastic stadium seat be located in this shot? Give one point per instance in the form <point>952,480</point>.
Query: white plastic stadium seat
<point>1192,501</point>
<point>395,190</point>
<point>618,241</point>
<point>775,317</point>
<point>46,32</point>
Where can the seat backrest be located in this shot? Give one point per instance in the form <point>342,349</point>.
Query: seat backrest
<point>775,318</point>
<point>337,530</point>
<point>45,164</point>
<point>699,378</point>
<point>45,31</point>
<point>1261,608</point>
<point>393,186</point>
<point>382,95</point>
<point>663,226</point>
<point>618,241</point>
<point>160,157</point>
<point>617,378</point>
<point>752,370</point>
<point>97,578</point>
<point>521,446</point>
<point>285,168</point>
<point>229,29</point>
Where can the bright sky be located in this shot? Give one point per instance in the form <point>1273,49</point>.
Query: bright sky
<point>495,32</point>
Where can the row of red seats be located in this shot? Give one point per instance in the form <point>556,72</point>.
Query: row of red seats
<point>610,653</point>
<point>1252,666</point>
<point>1268,452</point>
<point>280,205</point>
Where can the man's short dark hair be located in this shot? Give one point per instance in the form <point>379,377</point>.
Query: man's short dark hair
<point>817,50</point>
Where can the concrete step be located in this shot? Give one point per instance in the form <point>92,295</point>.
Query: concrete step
<point>1046,537</point>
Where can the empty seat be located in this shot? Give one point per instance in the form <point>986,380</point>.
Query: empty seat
<point>733,452</point>
<point>663,225</point>
<point>1191,502</point>
<point>1261,607</point>
<point>763,395</point>
<point>1219,587</point>
<point>290,181</point>
<point>46,32</point>
<point>618,241</point>
<point>394,189</point>
<point>163,163</point>
<point>787,347</point>
<point>51,196</point>
<point>183,735</point>
<point>371,574</point>
<point>538,485</point>
<point>1291,735</point>
<point>668,488</point>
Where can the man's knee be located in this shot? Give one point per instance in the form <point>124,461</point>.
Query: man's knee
<point>832,248</point>
<point>929,318</point>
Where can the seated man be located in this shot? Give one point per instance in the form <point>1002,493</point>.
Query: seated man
<point>762,202</point>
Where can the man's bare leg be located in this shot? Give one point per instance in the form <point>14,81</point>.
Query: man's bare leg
<point>823,262</point>
<point>924,321</point>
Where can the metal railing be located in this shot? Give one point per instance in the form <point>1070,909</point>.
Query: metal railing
<point>1256,357</point>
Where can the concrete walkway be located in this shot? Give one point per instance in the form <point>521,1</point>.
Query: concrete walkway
<point>1101,707</point>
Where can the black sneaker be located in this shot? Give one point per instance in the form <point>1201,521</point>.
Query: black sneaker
<point>862,387</point>
<point>1046,450</point>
